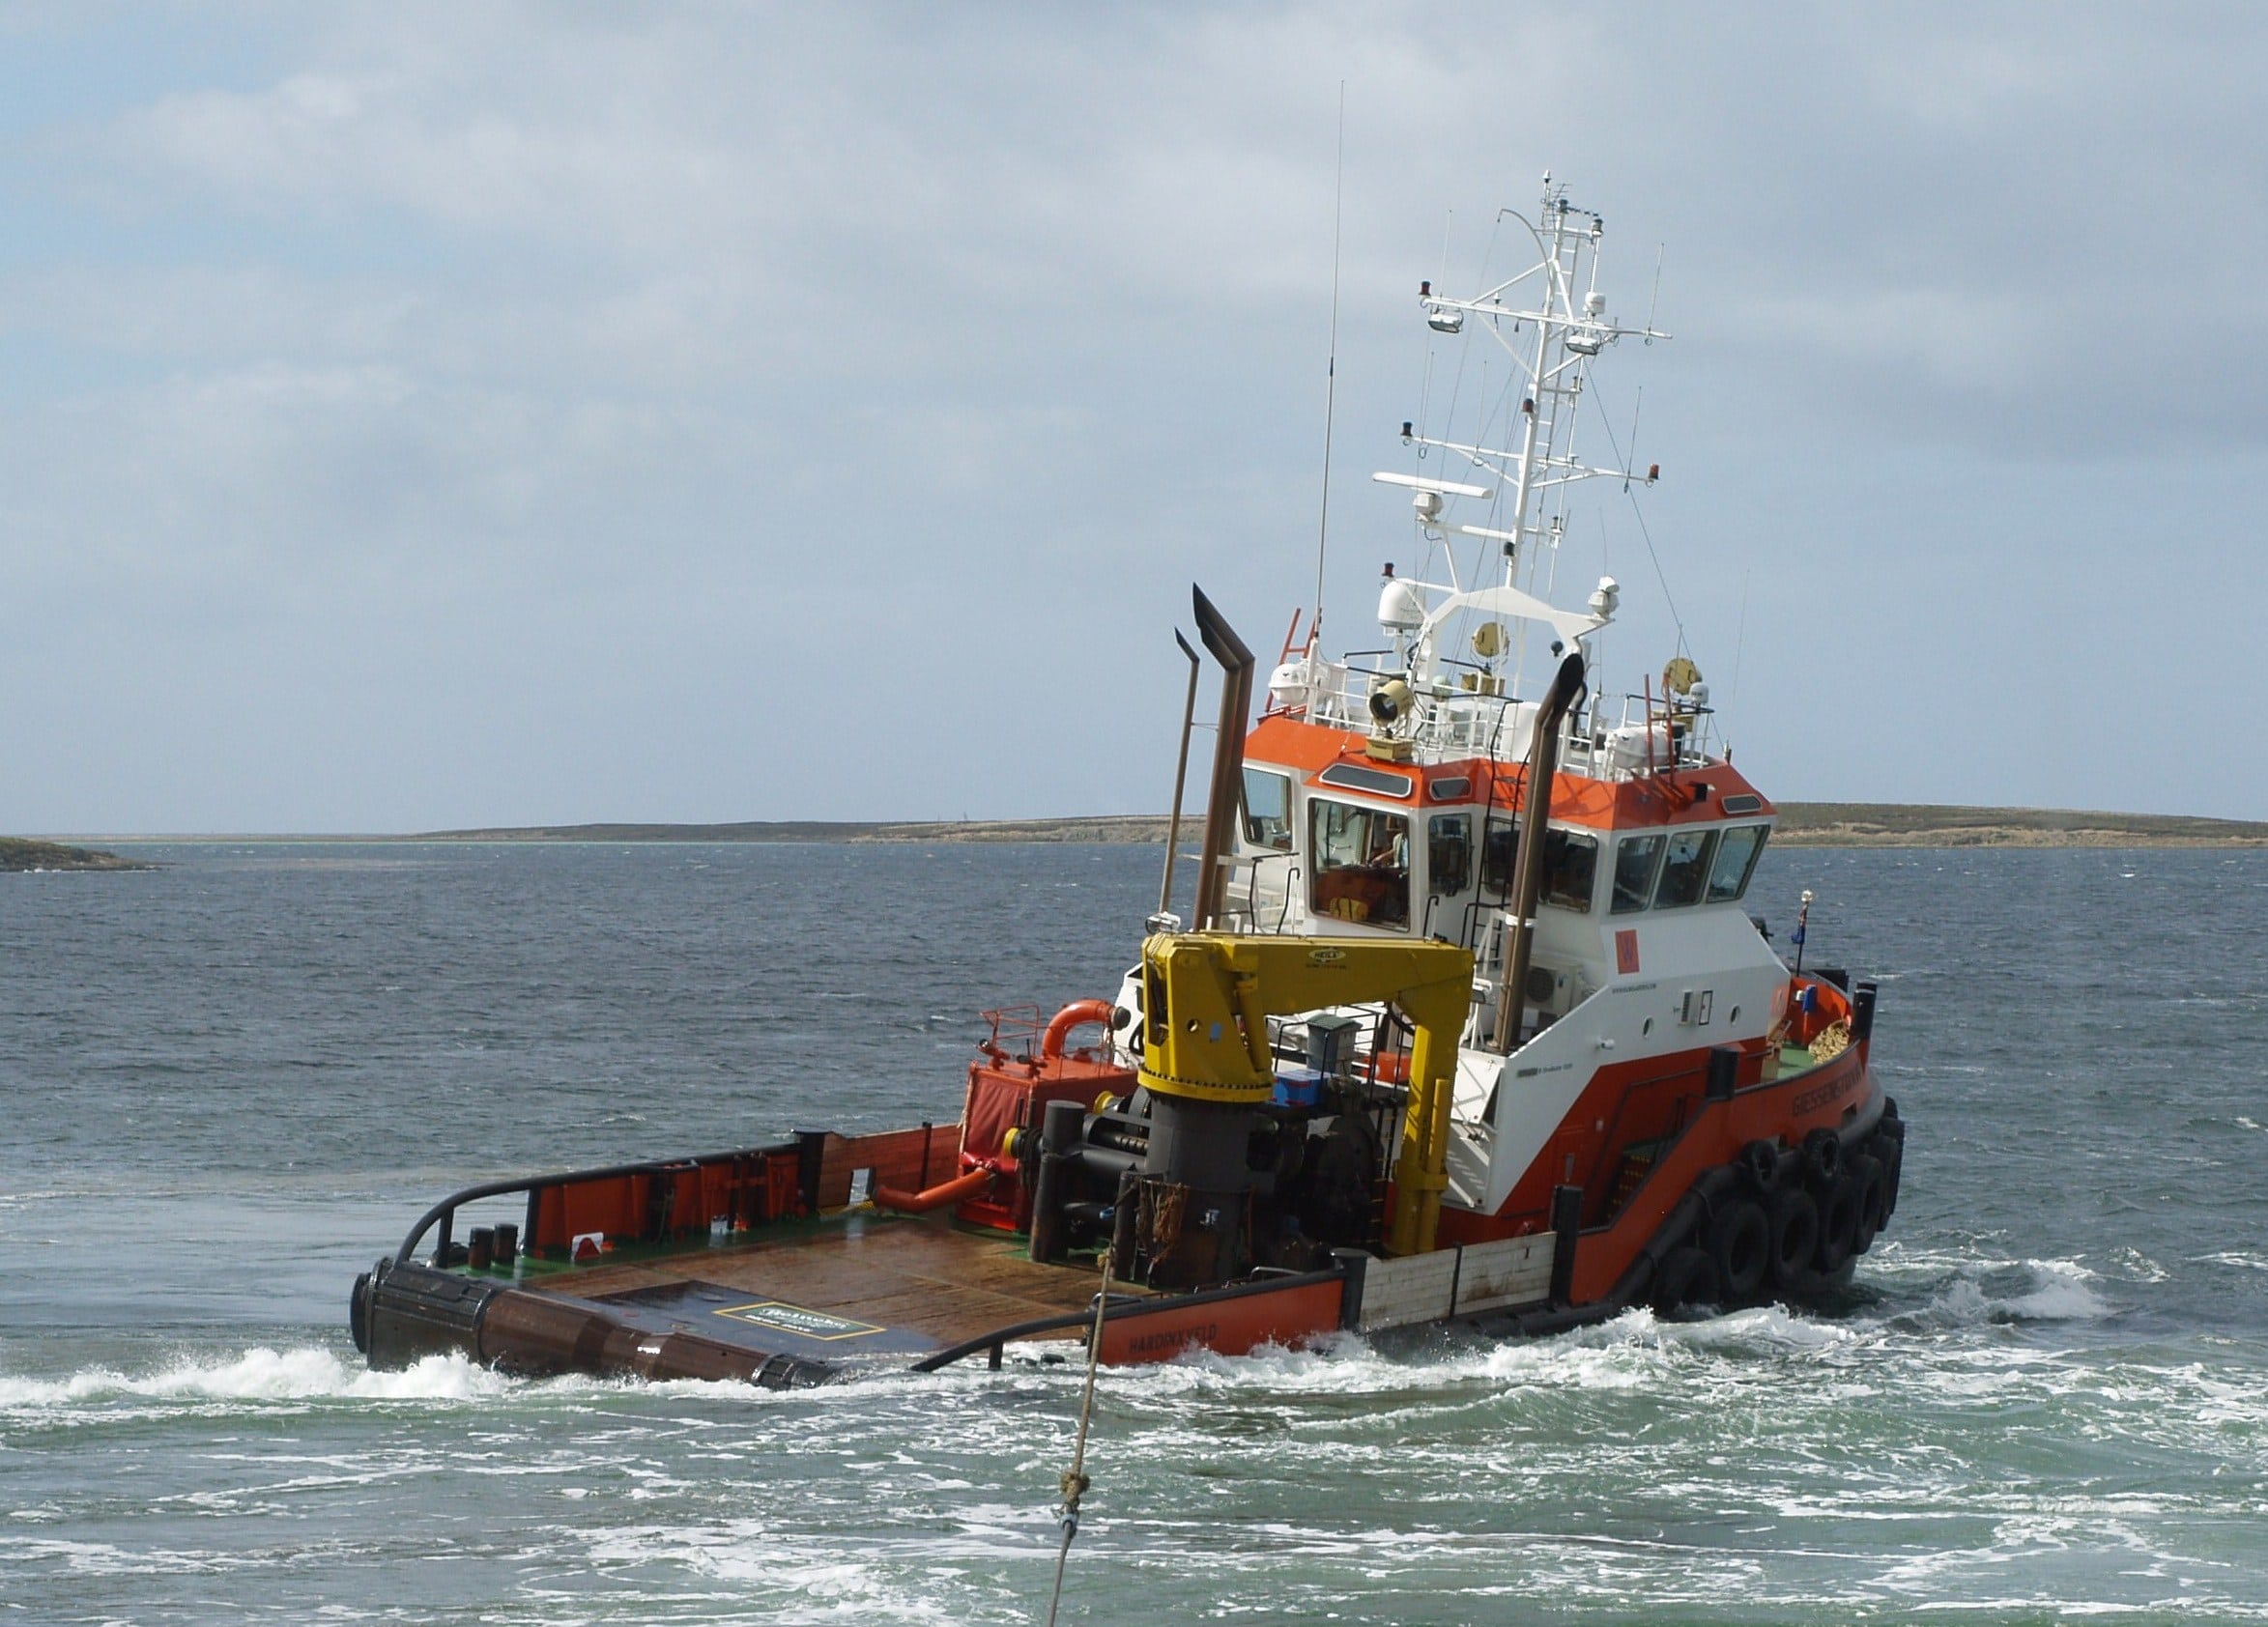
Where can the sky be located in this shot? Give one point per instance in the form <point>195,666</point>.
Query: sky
<point>418,416</point>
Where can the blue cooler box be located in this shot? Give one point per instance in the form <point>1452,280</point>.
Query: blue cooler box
<point>1299,1087</point>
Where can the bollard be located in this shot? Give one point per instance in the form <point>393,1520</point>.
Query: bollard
<point>1060,1133</point>
<point>1123,1224</point>
<point>1567,1224</point>
<point>811,1155</point>
<point>1354,1265</point>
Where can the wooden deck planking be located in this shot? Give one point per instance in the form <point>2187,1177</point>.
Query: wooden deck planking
<point>920,1275</point>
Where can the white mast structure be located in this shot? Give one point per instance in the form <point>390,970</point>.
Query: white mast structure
<point>1570,327</point>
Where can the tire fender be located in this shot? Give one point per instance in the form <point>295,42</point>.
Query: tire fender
<point>1739,1249</point>
<point>1838,1224</point>
<point>1871,1187</point>
<point>1793,1221</point>
<point>1688,1277</point>
<point>1823,1158</point>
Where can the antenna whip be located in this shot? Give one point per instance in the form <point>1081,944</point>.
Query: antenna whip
<point>1331,371</point>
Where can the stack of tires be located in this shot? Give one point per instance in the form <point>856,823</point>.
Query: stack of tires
<point>1785,1223</point>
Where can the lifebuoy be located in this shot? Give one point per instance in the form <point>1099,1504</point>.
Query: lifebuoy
<point>1078,1014</point>
<point>1740,1248</point>
<point>1794,1220</point>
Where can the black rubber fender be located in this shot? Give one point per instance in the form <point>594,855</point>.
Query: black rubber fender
<point>1636,1285</point>
<point>1740,1248</point>
<point>1688,1277</point>
<point>1869,1181</point>
<point>1838,1225</point>
<point>1792,1221</point>
<point>1891,1151</point>
<point>359,1311</point>
<point>1760,1162</point>
<point>1823,1158</point>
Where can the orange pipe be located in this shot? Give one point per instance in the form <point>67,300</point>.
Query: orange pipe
<point>936,1197</point>
<point>1073,1015</point>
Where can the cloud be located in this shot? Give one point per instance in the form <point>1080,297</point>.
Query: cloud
<point>542,344</point>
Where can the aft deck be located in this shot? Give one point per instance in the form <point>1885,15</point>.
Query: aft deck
<point>863,1283</point>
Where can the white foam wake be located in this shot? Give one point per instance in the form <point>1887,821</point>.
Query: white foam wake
<point>307,1373</point>
<point>1947,1289</point>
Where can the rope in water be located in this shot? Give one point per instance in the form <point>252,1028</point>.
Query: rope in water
<point>1075,1482</point>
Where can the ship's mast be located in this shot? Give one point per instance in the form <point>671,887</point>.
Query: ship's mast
<point>1567,333</point>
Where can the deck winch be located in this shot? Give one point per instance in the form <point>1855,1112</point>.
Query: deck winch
<point>1231,1156</point>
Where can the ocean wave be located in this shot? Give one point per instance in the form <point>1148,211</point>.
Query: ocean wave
<point>104,1559</point>
<point>305,1373</point>
<point>800,1580</point>
<point>1978,1292</point>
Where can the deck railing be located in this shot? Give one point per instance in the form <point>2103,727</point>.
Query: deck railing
<point>1469,723</point>
<point>664,1200</point>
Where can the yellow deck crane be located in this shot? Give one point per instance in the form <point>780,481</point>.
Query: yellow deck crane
<point>1206,1062</point>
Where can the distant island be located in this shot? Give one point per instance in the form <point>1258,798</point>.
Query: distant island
<point>1890,825</point>
<point>18,854</point>
<point>1803,824</point>
<point>1130,828</point>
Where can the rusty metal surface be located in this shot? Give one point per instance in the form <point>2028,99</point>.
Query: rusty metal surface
<point>869,1290</point>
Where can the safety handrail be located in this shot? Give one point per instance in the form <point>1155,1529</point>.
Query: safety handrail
<point>445,1211</point>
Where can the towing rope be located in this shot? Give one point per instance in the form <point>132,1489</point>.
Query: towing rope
<point>1075,1482</point>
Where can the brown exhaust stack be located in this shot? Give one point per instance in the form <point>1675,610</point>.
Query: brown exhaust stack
<point>1228,760</point>
<point>1543,762</point>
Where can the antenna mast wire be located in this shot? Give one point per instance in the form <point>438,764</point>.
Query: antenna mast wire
<point>1639,514</point>
<point>1331,372</point>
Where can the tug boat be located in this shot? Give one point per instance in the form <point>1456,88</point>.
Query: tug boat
<point>1470,1024</point>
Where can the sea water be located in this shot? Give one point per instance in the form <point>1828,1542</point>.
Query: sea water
<point>229,1084</point>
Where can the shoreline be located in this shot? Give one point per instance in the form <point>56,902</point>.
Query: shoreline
<point>26,856</point>
<point>1803,825</point>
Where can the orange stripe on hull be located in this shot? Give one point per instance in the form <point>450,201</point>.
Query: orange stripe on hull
<point>1784,1108</point>
<point>1227,1326</point>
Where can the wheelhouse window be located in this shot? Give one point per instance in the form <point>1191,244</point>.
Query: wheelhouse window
<point>1361,863</point>
<point>1685,868</point>
<point>1448,854</point>
<point>1737,851</point>
<point>1268,809</point>
<point>1635,860</point>
<point>1570,865</point>
<point>1500,850</point>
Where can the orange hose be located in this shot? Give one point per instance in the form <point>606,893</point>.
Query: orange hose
<point>936,1197</point>
<point>1073,1015</point>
